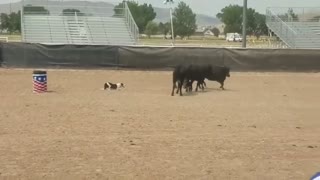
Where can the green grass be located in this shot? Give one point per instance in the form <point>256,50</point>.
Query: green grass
<point>192,41</point>
<point>12,38</point>
<point>203,41</point>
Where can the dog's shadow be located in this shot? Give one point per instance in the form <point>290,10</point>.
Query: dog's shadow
<point>51,91</point>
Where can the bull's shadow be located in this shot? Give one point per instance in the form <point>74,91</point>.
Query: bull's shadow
<point>210,89</point>
<point>193,93</point>
<point>206,90</point>
<point>200,91</point>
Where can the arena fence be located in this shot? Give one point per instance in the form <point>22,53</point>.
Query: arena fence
<point>296,27</point>
<point>81,22</point>
<point>25,55</point>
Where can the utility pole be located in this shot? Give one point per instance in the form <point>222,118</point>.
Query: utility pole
<point>172,33</point>
<point>171,19</point>
<point>244,24</point>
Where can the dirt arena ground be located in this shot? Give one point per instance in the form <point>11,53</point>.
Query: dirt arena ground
<point>264,126</point>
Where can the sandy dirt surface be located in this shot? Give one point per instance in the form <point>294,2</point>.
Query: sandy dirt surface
<point>263,126</point>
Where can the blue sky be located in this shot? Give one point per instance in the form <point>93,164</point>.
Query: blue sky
<point>212,7</point>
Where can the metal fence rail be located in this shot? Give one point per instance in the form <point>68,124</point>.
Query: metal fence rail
<point>59,22</point>
<point>131,23</point>
<point>297,27</point>
<point>283,31</point>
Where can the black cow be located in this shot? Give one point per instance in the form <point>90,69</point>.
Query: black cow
<point>219,74</point>
<point>179,76</point>
<point>186,73</point>
<point>199,73</point>
<point>188,85</point>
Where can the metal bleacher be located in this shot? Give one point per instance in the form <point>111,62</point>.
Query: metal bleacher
<point>87,25</point>
<point>301,31</point>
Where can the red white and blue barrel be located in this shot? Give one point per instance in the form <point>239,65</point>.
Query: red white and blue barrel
<point>39,81</point>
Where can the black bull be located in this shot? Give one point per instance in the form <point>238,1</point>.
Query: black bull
<point>198,73</point>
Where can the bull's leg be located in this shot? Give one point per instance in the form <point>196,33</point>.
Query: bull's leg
<point>180,88</point>
<point>202,87</point>
<point>222,84</point>
<point>190,86</point>
<point>205,85</point>
<point>173,87</point>
<point>187,88</point>
<point>198,85</point>
<point>186,85</point>
<point>177,91</point>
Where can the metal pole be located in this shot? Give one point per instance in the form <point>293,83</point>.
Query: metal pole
<point>244,24</point>
<point>172,33</point>
<point>21,21</point>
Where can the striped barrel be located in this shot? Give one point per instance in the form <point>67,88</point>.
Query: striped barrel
<point>39,81</point>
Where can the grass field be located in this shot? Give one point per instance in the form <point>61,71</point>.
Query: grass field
<point>193,41</point>
<point>263,126</point>
<point>205,41</point>
<point>11,38</point>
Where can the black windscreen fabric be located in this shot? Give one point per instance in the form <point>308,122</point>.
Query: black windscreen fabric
<point>38,55</point>
<point>272,59</point>
<point>164,57</point>
<point>87,56</point>
<point>1,56</point>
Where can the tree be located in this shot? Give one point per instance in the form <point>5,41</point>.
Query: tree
<point>261,26</point>
<point>316,19</point>
<point>29,9</point>
<point>72,12</point>
<point>141,14</point>
<point>168,1</point>
<point>164,28</point>
<point>11,22</point>
<point>184,20</point>
<point>119,9</point>
<point>215,31</point>
<point>251,22</point>
<point>289,16</point>
<point>151,28</point>
<point>231,16</point>
<point>14,22</point>
<point>4,19</point>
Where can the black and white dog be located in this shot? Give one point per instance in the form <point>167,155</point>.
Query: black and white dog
<point>111,86</point>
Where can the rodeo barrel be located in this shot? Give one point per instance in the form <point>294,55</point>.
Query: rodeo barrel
<point>39,81</point>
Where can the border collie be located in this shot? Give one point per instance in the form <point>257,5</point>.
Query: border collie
<point>111,86</point>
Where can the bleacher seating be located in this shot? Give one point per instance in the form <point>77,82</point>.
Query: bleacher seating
<point>296,34</point>
<point>81,29</point>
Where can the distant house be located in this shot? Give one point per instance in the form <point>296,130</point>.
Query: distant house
<point>208,32</point>
<point>203,32</point>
